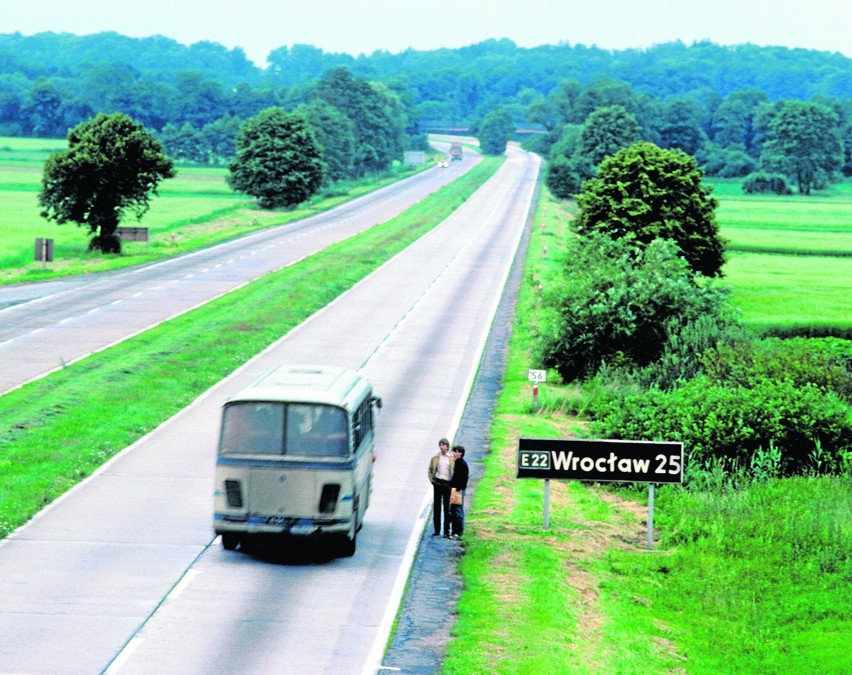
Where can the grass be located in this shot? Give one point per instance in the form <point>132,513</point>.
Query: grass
<point>747,579</point>
<point>781,291</point>
<point>789,257</point>
<point>194,209</point>
<point>59,429</point>
<point>744,578</point>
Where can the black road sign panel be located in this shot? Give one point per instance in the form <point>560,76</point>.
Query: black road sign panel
<point>601,460</point>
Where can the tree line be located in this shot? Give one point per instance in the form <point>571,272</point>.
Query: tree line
<point>808,143</point>
<point>51,82</point>
<point>348,129</point>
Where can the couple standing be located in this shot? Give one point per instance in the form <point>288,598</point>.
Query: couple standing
<point>448,472</point>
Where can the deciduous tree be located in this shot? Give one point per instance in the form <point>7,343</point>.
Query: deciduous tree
<point>804,142</point>
<point>376,113</point>
<point>277,161</point>
<point>606,131</point>
<point>646,193</point>
<point>494,132</point>
<point>112,165</point>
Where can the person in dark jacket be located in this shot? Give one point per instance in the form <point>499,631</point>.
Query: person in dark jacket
<point>459,482</point>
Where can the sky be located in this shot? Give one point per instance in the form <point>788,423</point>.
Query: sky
<point>365,26</point>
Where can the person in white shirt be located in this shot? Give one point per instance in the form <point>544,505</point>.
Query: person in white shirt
<point>441,468</point>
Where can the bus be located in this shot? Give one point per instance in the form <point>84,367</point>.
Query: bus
<point>295,457</point>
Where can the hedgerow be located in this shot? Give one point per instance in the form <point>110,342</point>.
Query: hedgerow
<point>734,422</point>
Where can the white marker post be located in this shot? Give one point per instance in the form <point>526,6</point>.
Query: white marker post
<point>536,376</point>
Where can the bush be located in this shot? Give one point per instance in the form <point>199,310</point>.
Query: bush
<point>735,423</point>
<point>618,304</point>
<point>563,180</point>
<point>681,359</point>
<point>823,364</point>
<point>758,183</point>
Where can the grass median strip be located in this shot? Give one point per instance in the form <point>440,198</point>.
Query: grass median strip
<point>59,429</point>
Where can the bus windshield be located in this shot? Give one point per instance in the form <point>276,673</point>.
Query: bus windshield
<point>299,429</point>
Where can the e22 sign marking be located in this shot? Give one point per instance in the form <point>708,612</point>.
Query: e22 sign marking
<point>537,460</point>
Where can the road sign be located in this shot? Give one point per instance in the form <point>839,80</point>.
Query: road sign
<point>600,460</point>
<point>132,233</point>
<point>44,249</point>
<point>537,375</point>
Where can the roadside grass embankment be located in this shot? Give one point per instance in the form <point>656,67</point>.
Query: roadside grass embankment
<point>746,575</point>
<point>195,208</point>
<point>59,429</point>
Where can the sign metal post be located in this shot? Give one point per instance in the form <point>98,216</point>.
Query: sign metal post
<point>546,503</point>
<point>650,516</point>
<point>43,250</point>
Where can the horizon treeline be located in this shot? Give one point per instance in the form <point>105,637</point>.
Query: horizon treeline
<point>50,82</point>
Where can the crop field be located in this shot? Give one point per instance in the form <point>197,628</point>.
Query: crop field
<point>789,257</point>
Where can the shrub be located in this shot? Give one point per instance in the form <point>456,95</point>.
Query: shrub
<point>681,359</point>
<point>735,423</point>
<point>757,183</point>
<point>615,303</point>
<point>823,364</point>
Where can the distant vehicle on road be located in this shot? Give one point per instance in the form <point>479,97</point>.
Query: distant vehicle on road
<point>456,151</point>
<point>295,457</point>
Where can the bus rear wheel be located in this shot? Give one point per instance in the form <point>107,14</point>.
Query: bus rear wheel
<point>346,547</point>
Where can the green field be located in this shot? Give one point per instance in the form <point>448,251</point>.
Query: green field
<point>195,208</point>
<point>789,257</point>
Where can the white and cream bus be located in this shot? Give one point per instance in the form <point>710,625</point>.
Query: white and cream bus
<point>296,454</point>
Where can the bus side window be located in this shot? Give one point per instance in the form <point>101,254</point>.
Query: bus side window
<point>362,423</point>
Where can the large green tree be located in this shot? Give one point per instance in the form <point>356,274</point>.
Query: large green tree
<point>335,134</point>
<point>112,164</point>
<point>804,142</point>
<point>646,193</point>
<point>606,131</point>
<point>376,113</point>
<point>277,159</point>
<point>680,127</point>
<point>494,131</point>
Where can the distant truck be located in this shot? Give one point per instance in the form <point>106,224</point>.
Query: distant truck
<point>456,151</point>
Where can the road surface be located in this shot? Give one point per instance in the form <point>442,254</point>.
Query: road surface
<point>45,326</point>
<point>123,573</point>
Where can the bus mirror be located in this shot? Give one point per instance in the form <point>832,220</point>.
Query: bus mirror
<point>377,401</point>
